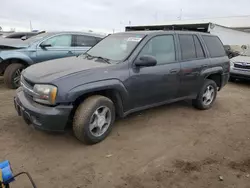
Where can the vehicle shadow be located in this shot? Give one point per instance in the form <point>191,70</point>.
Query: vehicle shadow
<point>244,83</point>
<point>122,126</point>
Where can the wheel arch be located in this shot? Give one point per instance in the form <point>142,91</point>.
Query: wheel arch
<point>214,74</point>
<point>5,63</point>
<point>112,94</point>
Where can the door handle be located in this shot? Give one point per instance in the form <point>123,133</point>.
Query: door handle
<point>205,66</point>
<point>173,71</point>
<point>70,52</point>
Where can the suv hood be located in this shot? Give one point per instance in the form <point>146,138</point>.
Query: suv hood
<point>51,70</point>
<point>6,43</point>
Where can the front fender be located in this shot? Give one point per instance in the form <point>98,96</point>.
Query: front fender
<point>114,84</point>
<point>7,55</point>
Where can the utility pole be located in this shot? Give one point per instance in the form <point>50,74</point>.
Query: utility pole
<point>31,26</point>
<point>156,16</point>
<point>180,16</point>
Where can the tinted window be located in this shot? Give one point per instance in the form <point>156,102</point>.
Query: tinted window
<point>198,47</point>
<point>59,41</point>
<point>82,40</point>
<point>214,46</point>
<point>187,47</point>
<point>162,48</point>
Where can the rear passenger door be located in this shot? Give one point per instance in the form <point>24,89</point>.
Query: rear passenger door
<point>83,43</point>
<point>193,60</point>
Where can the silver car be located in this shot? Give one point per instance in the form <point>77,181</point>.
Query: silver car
<point>16,54</point>
<point>240,66</point>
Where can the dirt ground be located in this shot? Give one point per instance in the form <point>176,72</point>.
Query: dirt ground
<point>167,147</point>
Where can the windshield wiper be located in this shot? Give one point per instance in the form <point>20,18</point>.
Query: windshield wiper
<point>102,58</point>
<point>98,57</point>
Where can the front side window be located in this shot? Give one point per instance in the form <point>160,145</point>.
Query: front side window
<point>82,40</point>
<point>59,41</point>
<point>116,47</point>
<point>162,48</point>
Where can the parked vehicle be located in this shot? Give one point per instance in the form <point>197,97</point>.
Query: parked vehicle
<point>240,66</point>
<point>122,74</point>
<point>16,55</point>
<point>22,35</point>
<point>230,52</point>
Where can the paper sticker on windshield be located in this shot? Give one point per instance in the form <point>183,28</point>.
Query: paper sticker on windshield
<point>134,39</point>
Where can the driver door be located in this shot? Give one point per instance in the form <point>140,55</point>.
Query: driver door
<point>160,83</point>
<point>57,47</point>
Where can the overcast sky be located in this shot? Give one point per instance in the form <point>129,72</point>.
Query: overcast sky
<point>107,15</point>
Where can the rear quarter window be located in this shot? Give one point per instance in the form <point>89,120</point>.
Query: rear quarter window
<point>215,46</point>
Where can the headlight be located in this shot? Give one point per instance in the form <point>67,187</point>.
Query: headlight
<point>45,94</point>
<point>231,63</point>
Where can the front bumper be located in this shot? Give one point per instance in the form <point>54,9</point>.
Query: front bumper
<point>42,117</point>
<point>240,73</point>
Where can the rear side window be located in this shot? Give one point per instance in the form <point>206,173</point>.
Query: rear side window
<point>82,40</point>
<point>187,47</point>
<point>198,48</point>
<point>214,46</point>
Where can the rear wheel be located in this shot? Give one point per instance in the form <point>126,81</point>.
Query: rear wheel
<point>12,75</point>
<point>94,119</point>
<point>206,96</point>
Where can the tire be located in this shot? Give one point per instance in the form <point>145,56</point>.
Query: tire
<point>86,113</point>
<point>10,74</point>
<point>199,102</point>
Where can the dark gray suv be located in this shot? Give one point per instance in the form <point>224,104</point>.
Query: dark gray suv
<point>16,55</point>
<point>122,74</point>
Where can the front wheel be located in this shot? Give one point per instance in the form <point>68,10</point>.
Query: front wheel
<point>206,96</point>
<point>93,119</point>
<point>12,75</point>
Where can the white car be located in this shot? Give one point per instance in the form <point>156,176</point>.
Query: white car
<point>240,66</point>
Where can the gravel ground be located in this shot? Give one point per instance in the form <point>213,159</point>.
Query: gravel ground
<point>170,146</point>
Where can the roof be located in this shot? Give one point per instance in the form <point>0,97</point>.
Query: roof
<point>75,32</point>
<point>153,32</point>
<point>232,21</point>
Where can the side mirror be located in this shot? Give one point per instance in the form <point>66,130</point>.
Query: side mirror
<point>23,37</point>
<point>43,45</point>
<point>146,61</point>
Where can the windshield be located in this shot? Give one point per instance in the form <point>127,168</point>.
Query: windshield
<point>37,37</point>
<point>116,47</point>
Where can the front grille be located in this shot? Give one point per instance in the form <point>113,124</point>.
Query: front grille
<point>242,66</point>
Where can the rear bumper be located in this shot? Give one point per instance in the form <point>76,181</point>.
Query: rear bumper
<point>42,117</point>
